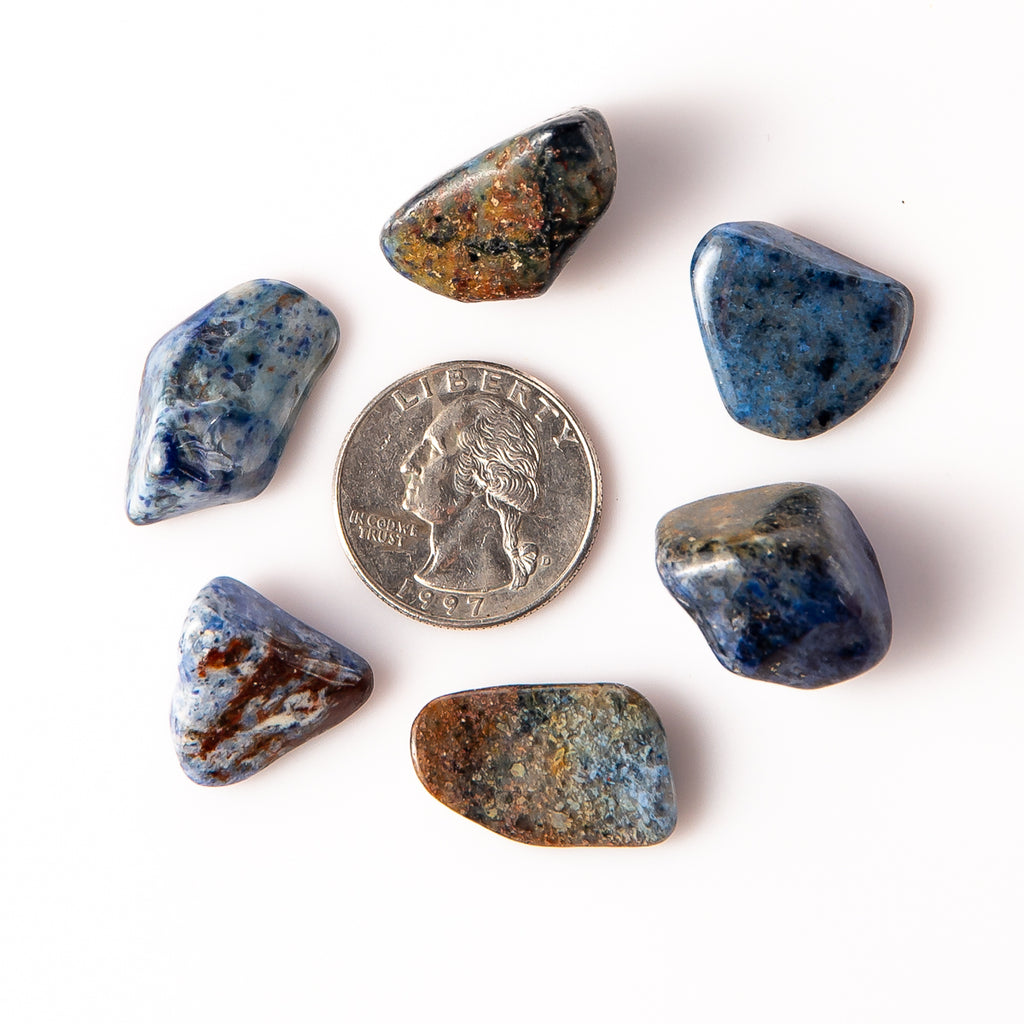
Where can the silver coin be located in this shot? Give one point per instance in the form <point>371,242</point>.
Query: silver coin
<point>468,494</point>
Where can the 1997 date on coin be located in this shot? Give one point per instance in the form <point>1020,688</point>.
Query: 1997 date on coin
<point>437,603</point>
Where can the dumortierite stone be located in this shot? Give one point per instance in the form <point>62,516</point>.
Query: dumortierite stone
<point>503,224</point>
<point>254,682</point>
<point>219,396</point>
<point>799,337</point>
<point>782,582</point>
<point>576,765</point>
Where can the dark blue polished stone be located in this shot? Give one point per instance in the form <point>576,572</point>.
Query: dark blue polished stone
<point>219,396</point>
<point>782,582</point>
<point>799,337</point>
<point>254,682</point>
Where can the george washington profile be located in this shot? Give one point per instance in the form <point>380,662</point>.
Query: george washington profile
<point>473,477</point>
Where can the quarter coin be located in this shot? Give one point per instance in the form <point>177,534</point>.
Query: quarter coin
<point>467,494</point>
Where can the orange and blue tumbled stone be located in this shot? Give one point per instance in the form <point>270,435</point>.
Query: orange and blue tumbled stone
<point>782,582</point>
<point>502,225</point>
<point>254,682</point>
<point>582,764</point>
<point>799,337</point>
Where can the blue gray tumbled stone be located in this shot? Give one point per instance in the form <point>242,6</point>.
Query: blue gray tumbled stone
<point>253,683</point>
<point>799,337</point>
<point>782,582</point>
<point>220,394</point>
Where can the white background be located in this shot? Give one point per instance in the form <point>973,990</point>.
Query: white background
<point>847,855</point>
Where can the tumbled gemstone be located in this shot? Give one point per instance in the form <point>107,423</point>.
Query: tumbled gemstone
<point>254,682</point>
<point>799,337</point>
<point>782,582</point>
<point>503,224</point>
<point>584,764</point>
<point>219,396</point>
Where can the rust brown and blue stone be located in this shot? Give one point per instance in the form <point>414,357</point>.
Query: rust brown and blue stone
<point>502,225</point>
<point>782,582</point>
<point>254,682</point>
<point>583,764</point>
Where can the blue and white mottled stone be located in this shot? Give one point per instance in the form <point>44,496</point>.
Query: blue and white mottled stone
<point>782,582</point>
<point>799,337</point>
<point>219,396</point>
<point>254,682</point>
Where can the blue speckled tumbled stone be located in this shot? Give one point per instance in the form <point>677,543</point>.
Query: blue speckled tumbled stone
<point>782,582</point>
<point>219,396</point>
<point>254,682</point>
<point>799,337</point>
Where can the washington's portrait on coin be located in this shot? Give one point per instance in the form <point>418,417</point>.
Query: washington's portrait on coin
<point>473,479</point>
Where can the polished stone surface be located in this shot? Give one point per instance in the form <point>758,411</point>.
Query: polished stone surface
<point>799,337</point>
<point>254,682</point>
<point>572,765</point>
<point>219,396</point>
<point>502,225</point>
<point>782,581</point>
